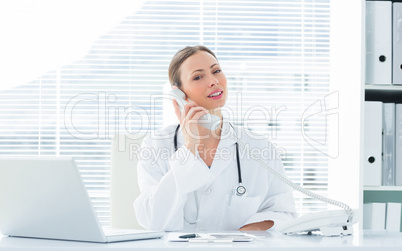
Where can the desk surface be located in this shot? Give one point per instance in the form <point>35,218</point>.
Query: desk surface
<point>365,240</point>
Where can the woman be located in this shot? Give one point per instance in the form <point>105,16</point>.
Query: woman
<point>194,189</point>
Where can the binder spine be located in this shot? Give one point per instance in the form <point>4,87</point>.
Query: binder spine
<point>374,216</point>
<point>398,145</point>
<point>397,43</point>
<point>388,164</point>
<point>373,118</point>
<point>379,42</point>
<point>393,216</point>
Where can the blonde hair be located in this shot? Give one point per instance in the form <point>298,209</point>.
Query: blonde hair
<point>179,58</point>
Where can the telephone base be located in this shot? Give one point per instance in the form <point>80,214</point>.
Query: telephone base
<point>329,223</point>
<point>336,231</point>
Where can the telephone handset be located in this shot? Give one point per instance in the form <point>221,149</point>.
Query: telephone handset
<point>208,121</point>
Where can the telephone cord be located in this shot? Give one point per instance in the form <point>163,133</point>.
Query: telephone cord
<point>292,184</point>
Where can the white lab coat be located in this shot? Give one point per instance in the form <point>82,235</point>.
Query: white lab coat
<point>180,193</point>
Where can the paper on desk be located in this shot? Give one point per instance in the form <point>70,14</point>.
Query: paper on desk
<point>212,237</point>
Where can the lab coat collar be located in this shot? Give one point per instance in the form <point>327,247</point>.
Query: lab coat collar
<point>227,131</point>
<point>220,162</point>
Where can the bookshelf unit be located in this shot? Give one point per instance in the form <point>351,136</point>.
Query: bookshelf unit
<point>379,32</point>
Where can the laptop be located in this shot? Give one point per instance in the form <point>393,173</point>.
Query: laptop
<point>46,198</point>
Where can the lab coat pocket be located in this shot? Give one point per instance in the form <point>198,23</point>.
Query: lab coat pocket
<point>240,210</point>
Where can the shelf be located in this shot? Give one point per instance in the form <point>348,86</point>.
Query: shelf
<point>383,93</point>
<point>383,188</point>
<point>383,87</point>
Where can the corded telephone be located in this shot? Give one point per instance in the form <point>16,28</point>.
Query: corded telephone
<point>330,223</point>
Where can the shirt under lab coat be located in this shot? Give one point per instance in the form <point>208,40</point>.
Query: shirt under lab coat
<point>179,192</point>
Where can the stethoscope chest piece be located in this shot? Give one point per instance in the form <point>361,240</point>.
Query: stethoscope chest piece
<point>240,190</point>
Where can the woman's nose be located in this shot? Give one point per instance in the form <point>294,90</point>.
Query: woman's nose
<point>213,81</point>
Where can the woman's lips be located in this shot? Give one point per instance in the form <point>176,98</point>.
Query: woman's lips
<point>216,95</point>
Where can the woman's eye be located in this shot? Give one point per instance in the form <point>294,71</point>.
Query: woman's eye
<point>197,78</point>
<point>217,71</point>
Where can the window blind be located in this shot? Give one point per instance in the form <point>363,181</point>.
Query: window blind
<point>274,53</point>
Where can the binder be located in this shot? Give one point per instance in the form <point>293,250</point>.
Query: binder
<point>388,145</point>
<point>397,43</point>
<point>374,216</point>
<point>398,144</point>
<point>379,42</point>
<point>373,143</point>
<point>393,217</point>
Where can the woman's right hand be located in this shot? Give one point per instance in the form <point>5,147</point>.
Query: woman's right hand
<point>189,123</point>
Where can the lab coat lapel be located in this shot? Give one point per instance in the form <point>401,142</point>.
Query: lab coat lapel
<point>225,153</point>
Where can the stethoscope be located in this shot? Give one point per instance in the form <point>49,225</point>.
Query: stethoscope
<point>239,190</point>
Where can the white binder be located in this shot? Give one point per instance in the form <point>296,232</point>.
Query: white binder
<point>373,143</point>
<point>398,145</point>
<point>388,145</point>
<point>393,217</point>
<point>374,216</point>
<point>379,42</point>
<point>397,44</point>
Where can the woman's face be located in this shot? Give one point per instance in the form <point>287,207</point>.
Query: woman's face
<point>203,80</point>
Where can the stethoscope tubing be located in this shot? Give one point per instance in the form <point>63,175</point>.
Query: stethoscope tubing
<point>240,189</point>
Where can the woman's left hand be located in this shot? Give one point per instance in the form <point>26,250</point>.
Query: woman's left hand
<point>258,226</point>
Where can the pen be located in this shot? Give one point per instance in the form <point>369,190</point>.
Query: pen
<point>187,236</point>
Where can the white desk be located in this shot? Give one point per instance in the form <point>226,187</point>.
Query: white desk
<point>272,241</point>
